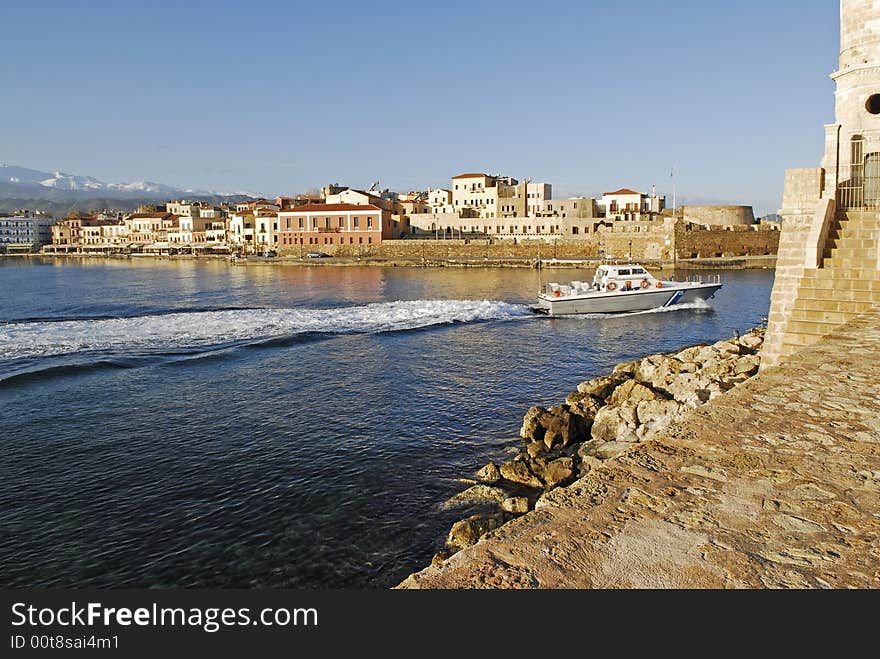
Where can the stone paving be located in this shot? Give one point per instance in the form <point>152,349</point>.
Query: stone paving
<point>775,484</point>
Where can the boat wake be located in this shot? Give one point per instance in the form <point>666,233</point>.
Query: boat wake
<point>31,346</point>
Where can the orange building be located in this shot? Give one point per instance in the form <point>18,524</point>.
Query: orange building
<point>320,225</point>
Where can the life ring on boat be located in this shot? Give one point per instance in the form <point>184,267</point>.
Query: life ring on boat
<point>611,286</point>
<point>557,294</point>
<point>645,283</point>
<point>659,284</point>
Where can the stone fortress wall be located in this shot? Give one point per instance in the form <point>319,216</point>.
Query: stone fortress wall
<point>650,241</point>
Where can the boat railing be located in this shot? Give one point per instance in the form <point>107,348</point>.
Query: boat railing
<point>704,279</point>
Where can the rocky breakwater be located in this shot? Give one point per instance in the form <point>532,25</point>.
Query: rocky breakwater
<point>604,418</point>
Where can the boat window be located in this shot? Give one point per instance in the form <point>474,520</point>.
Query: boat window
<point>639,271</point>
<point>623,272</point>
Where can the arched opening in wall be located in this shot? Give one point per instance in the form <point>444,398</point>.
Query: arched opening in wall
<point>872,105</point>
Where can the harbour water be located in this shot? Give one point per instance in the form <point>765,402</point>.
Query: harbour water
<point>196,424</point>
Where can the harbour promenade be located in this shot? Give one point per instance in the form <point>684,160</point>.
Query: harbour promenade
<point>775,484</point>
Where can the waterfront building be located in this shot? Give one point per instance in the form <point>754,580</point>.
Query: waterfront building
<point>537,194</point>
<point>440,201</point>
<point>143,228</point>
<point>24,233</point>
<point>317,226</point>
<point>628,205</point>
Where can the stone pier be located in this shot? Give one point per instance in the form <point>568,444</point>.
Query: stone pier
<point>775,484</point>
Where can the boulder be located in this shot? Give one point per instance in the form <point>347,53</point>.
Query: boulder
<point>684,387</point>
<point>611,450</point>
<point>534,449</point>
<point>751,341</point>
<point>584,405</point>
<point>587,464</point>
<point>516,505</point>
<point>475,495</point>
<point>626,369</point>
<point>589,448</point>
<point>467,532</point>
<point>599,387</point>
<point>558,471</point>
<point>632,391</point>
<point>518,472</point>
<point>719,370</point>
<point>654,415</point>
<point>728,347</point>
<point>690,354</point>
<point>560,427</point>
<point>489,473</point>
<point>616,423</point>
<point>531,427</point>
<point>655,371</point>
<point>747,365</point>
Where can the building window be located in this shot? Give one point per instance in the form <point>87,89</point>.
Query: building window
<point>300,223</point>
<point>355,222</point>
<point>341,222</point>
<point>369,222</point>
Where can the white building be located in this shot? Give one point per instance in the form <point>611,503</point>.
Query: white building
<point>25,233</point>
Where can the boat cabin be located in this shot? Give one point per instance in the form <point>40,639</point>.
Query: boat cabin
<point>625,277</point>
<point>608,279</point>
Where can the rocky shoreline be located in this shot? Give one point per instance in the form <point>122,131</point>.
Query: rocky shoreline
<point>604,418</point>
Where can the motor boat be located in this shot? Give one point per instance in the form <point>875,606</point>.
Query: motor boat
<point>621,288</point>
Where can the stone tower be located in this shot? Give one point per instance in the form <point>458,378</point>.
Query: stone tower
<point>828,265</point>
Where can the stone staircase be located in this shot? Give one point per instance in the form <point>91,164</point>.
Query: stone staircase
<point>845,285</point>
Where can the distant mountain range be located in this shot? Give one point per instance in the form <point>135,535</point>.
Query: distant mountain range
<point>21,187</point>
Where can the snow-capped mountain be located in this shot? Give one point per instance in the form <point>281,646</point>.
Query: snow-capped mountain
<point>33,178</point>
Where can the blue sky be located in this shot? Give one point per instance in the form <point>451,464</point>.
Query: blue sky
<point>278,97</point>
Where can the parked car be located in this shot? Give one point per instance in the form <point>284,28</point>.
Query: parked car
<point>317,255</point>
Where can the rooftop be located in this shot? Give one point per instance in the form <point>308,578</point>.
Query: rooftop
<point>331,208</point>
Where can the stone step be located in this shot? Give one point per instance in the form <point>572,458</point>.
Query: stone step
<point>857,233</point>
<point>861,251</point>
<point>832,270</point>
<point>826,282</point>
<point>869,221</point>
<point>839,295</point>
<point>848,264</point>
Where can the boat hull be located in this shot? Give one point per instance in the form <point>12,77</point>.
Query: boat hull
<point>625,301</point>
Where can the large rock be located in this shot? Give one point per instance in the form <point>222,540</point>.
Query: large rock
<point>518,472</point>
<point>584,405</point>
<point>534,449</point>
<point>489,473</point>
<point>475,495</point>
<point>560,427</point>
<point>467,532</point>
<point>531,427</point>
<point>751,341</point>
<point>617,423</point>
<point>686,388</point>
<point>599,387</point>
<point>632,391</point>
<point>728,347</point>
<point>611,450</point>
<point>626,369</point>
<point>655,415</point>
<point>589,448</point>
<point>747,365</point>
<point>516,505</point>
<point>558,471</point>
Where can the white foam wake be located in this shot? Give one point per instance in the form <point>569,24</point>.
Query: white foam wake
<point>189,330</point>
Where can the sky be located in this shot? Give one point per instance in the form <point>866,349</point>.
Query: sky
<point>280,97</point>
